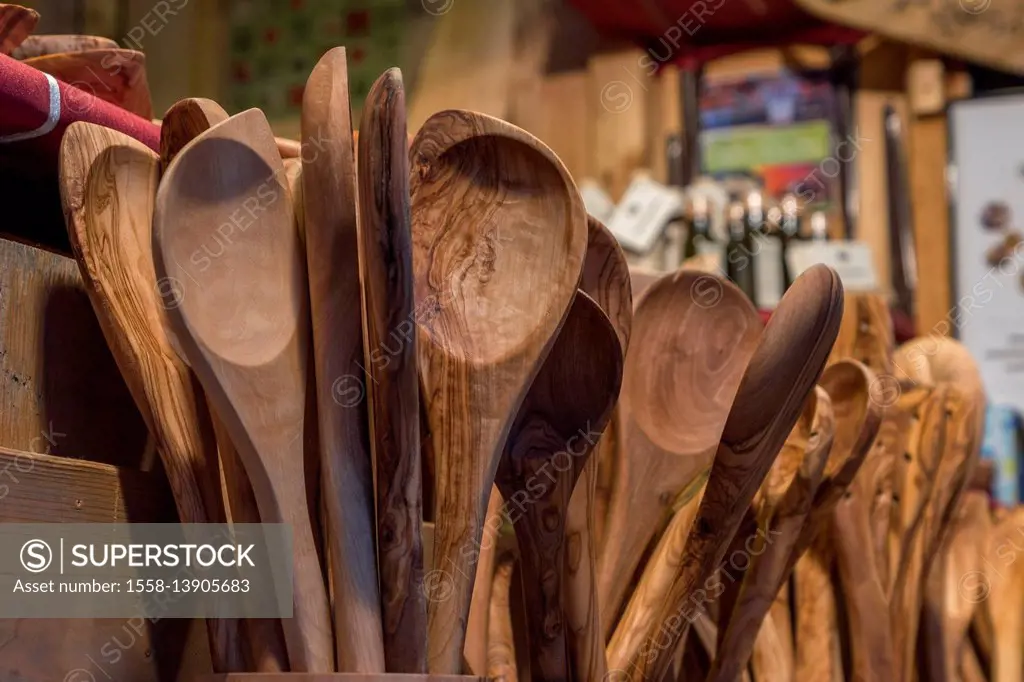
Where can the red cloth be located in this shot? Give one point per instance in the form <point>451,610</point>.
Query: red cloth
<point>25,106</point>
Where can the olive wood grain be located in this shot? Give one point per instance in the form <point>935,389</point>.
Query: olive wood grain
<point>501,654</point>
<point>249,350</point>
<point>791,353</point>
<point>16,23</point>
<point>552,437</point>
<point>40,45</point>
<point>183,122</point>
<point>329,199</point>
<point>782,506</point>
<point>499,237</point>
<point>693,335</point>
<point>113,75</point>
<point>1005,579</point>
<point>955,588</point>
<point>385,261</point>
<point>605,279</point>
<point>108,184</point>
<point>475,650</point>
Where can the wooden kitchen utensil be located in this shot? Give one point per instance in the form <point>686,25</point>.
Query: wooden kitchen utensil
<point>477,627</point>
<point>385,259</point>
<point>113,75</point>
<point>694,334</point>
<point>501,655</point>
<point>241,324</point>
<point>183,122</point>
<point>782,507</point>
<point>552,437</point>
<point>792,352</point>
<point>329,214</point>
<point>41,45</point>
<point>1005,577</point>
<point>16,23</point>
<point>108,184</point>
<point>951,600</point>
<point>499,236</point>
<point>606,280</point>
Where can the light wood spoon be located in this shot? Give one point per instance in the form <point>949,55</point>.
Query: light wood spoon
<point>785,502</point>
<point>108,185</point>
<point>183,122</point>
<point>385,259</point>
<point>954,592</point>
<point>693,335</point>
<point>792,352</point>
<point>241,324</point>
<point>16,23</point>
<point>331,241</point>
<point>499,236</point>
<point>548,446</point>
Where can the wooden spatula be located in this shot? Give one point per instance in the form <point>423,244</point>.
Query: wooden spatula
<point>499,235</point>
<point>113,75</point>
<point>693,335</point>
<point>555,431</point>
<point>329,215</point>
<point>41,45</point>
<point>792,352</point>
<point>242,326</point>
<point>108,186</point>
<point>183,122</point>
<point>16,23</point>
<point>385,257</point>
<point>785,502</point>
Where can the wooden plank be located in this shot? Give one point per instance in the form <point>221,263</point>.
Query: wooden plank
<point>927,160</point>
<point>60,390</point>
<point>558,111</point>
<point>620,84</point>
<point>44,489</point>
<point>469,63</point>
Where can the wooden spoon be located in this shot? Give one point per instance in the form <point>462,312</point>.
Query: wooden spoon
<point>113,75</point>
<point>329,213</point>
<point>183,122</point>
<point>557,427</point>
<point>785,502</point>
<point>477,627</point>
<point>108,183</point>
<point>499,235</point>
<point>501,650</point>
<point>385,258</point>
<point>606,280</point>
<point>41,45</point>
<point>16,23</point>
<point>242,327</point>
<point>1005,603</point>
<point>693,335</point>
<point>791,354</point>
<point>954,592</point>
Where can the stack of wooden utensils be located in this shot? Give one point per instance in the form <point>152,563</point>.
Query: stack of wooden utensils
<point>309,344</point>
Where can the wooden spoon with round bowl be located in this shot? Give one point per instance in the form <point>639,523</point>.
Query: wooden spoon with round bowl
<point>548,446</point>
<point>499,237</point>
<point>108,185</point>
<point>791,354</point>
<point>693,335</point>
<point>183,122</point>
<point>242,325</point>
<point>606,280</point>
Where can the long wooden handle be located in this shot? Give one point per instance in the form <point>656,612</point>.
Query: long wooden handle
<point>816,617</point>
<point>475,649</point>
<point>582,609</point>
<point>501,653</point>
<point>385,247</point>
